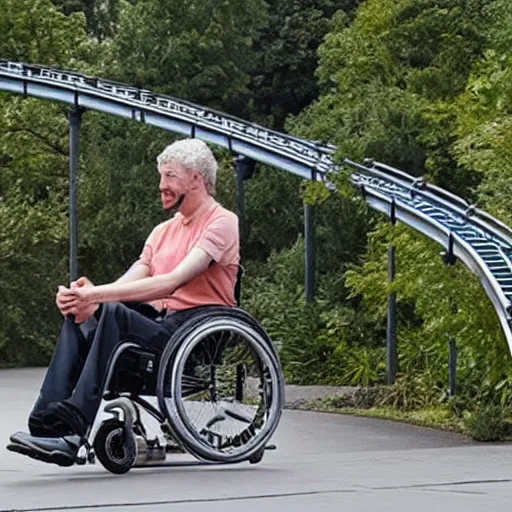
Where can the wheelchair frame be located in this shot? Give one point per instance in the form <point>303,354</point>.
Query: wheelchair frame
<point>125,440</point>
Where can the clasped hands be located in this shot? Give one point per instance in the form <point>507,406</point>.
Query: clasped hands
<point>76,300</point>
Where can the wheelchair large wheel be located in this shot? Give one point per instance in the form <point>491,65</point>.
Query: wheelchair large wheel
<point>221,386</point>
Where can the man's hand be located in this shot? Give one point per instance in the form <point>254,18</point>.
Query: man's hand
<point>83,286</point>
<point>76,300</point>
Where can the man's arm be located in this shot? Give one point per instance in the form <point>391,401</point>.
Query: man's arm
<point>145,289</point>
<point>138,270</point>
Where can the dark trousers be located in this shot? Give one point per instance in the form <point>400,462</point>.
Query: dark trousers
<point>80,362</point>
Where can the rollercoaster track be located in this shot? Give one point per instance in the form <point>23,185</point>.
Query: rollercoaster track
<point>480,241</point>
<point>295,155</point>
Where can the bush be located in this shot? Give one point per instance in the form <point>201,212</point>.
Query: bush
<point>410,391</point>
<point>488,424</point>
<point>320,342</point>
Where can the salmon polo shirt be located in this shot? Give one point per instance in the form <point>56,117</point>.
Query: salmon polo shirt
<point>213,229</point>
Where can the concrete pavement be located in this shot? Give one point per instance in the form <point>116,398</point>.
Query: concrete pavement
<point>324,462</point>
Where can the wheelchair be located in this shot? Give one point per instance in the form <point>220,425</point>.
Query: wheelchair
<point>219,392</point>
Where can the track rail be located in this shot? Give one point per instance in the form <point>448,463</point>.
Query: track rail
<point>480,241</point>
<point>292,154</point>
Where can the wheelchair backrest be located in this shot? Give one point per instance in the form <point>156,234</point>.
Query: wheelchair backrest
<point>238,284</point>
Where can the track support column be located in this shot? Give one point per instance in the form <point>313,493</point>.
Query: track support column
<point>391,351</point>
<point>310,256</point>
<point>75,119</point>
<point>245,169</point>
<point>452,366</point>
<point>310,248</point>
<point>449,259</point>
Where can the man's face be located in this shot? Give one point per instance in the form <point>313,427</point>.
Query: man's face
<point>174,181</point>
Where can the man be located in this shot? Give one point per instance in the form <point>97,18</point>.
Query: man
<point>187,263</point>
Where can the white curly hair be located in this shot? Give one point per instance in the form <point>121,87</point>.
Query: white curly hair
<point>193,154</point>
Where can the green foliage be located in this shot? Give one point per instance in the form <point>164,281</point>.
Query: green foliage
<point>319,342</point>
<point>101,15</point>
<point>488,424</point>
<point>420,84</point>
<point>411,83</point>
<point>32,258</point>
<point>434,302</point>
<point>485,119</point>
<point>388,80</point>
<point>36,32</point>
<point>33,191</point>
<point>273,217</point>
<point>283,78</point>
<point>411,391</point>
<point>200,51</point>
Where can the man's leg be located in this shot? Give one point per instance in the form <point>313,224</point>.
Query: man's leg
<point>116,322</point>
<point>63,373</point>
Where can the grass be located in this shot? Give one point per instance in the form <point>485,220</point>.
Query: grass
<point>490,423</point>
<point>438,417</point>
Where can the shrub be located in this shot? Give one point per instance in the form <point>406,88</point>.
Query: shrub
<point>488,424</point>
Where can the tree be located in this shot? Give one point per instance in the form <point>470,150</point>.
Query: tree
<point>101,15</point>
<point>33,190</point>
<point>388,83</point>
<point>199,51</point>
<point>283,75</point>
<point>485,118</point>
<point>36,32</point>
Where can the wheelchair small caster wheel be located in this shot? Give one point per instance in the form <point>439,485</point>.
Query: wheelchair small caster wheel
<point>115,448</point>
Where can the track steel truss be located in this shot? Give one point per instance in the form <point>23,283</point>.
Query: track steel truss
<point>481,242</point>
<point>295,155</point>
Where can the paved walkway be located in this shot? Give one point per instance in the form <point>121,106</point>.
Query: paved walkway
<point>324,462</point>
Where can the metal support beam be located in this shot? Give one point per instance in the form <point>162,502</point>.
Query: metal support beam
<point>391,351</point>
<point>310,249</point>
<point>240,203</point>
<point>75,118</point>
<point>245,169</point>
<point>452,366</point>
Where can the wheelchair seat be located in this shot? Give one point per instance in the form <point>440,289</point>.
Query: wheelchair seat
<point>135,371</point>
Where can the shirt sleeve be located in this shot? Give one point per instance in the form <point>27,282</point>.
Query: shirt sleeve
<point>146,256</point>
<point>220,239</point>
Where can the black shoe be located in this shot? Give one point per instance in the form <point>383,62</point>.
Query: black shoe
<point>64,418</point>
<point>54,450</point>
<point>38,428</point>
